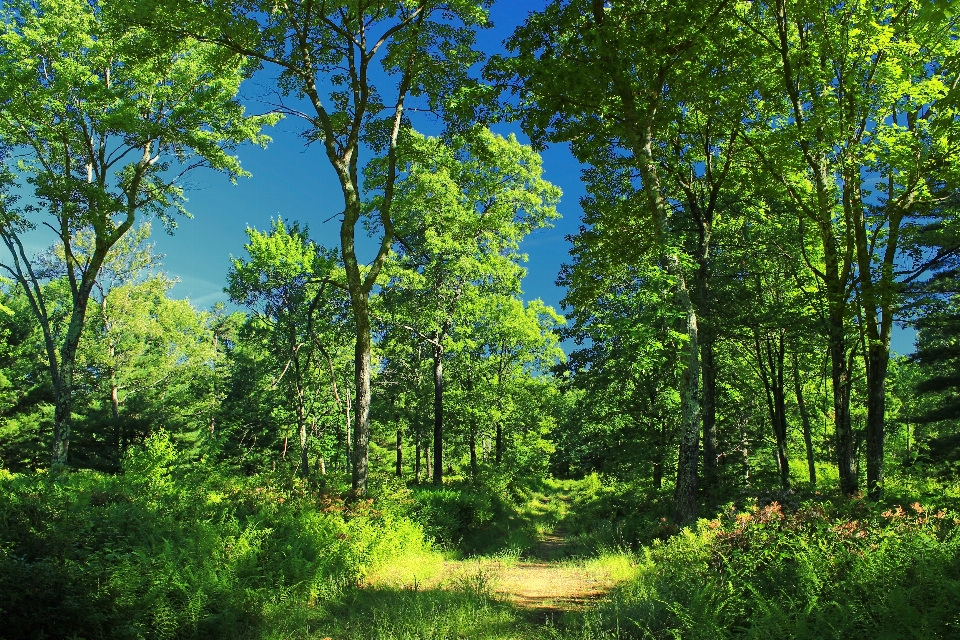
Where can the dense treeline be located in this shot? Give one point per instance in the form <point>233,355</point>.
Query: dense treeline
<point>772,189</point>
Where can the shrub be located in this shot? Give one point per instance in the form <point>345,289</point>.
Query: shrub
<point>173,549</point>
<point>819,572</point>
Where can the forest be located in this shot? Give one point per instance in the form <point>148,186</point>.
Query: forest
<point>714,435</point>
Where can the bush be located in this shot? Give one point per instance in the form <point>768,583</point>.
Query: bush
<point>607,514</point>
<point>819,572</point>
<point>172,549</point>
<point>480,516</point>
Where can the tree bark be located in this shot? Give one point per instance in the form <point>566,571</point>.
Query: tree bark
<point>685,493</point>
<point>361,409</point>
<point>348,437</point>
<point>770,358</point>
<point>63,382</point>
<point>301,407</point>
<point>426,459</point>
<point>878,358</point>
<point>707,336</point>
<point>399,453</point>
<point>437,412</point>
<point>840,373</point>
<point>805,419</point>
<point>416,461</point>
<point>498,454</point>
<point>304,458</point>
<point>709,380</point>
<point>878,307</point>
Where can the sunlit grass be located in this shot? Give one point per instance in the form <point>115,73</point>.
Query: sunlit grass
<point>415,568</point>
<point>616,566</point>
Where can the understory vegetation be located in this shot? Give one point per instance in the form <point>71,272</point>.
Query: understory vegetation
<point>179,547</point>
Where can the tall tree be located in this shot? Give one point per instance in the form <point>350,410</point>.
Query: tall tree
<point>611,92</point>
<point>144,363</point>
<point>460,213</point>
<point>627,369</point>
<point>507,354</point>
<point>857,123</point>
<point>355,64</point>
<point>106,120</point>
<point>286,283</point>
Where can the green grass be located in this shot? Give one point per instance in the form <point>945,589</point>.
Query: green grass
<point>435,614</point>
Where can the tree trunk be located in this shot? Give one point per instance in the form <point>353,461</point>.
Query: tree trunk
<point>63,381</point>
<point>840,373</point>
<point>426,459</point>
<point>878,307</point>
<point>805,419</point>
<point>361,409</point>
<point>304,458</point>
<point>685,493</point>
<point>707,337</point>
<point>709,379</point>
<point>473,451</point>
<point>661,451</point>
<point>437,412</point>
<point>877,363</point>
<point>498,454</point>
<point>63,400</point>
<point>399,453</point>
<point>777,358</point>
<point>348,433</point>
<point>301,412</point>
<point>770,360</point>
<point>416,461</point>
<point>781,416</point>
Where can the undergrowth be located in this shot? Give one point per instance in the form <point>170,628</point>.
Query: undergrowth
<point>843,569</point>
<point>174,550</point>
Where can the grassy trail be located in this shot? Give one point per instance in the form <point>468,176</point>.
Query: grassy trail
<point>547,581</point>
<point>534,594</point>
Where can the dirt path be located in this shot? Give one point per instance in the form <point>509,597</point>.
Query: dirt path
<point>546,583</point>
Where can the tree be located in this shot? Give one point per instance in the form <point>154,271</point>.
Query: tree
<point>860,132</point>
<point>286,283</point>
<point>145,362</point>
<point>327,54</point>
<point>506,357</point>
<point>460,211</point>
<point>627,368</point>
<point>612,93</point>
<point>106,121</point>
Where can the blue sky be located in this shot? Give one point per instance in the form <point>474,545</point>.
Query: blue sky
<point>296,182</point>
